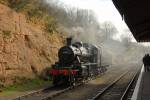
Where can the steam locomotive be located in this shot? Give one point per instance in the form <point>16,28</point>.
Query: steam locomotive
<point>77,62</point>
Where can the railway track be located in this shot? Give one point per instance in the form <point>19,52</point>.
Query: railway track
<point>54,92</point>
<point>38,95</point>
<point>46,93</point>
<point>50,92</point>
<point>87,90</point>
<point>119,89</point>
<point>127,95</point>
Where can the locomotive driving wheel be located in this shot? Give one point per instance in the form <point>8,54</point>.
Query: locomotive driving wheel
<point>55,81</point>
<point>72,80</point>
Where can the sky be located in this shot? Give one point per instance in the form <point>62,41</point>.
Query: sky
<point>104,10</point>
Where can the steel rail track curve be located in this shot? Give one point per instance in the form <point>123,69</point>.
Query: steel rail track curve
<point>32,93</point>
<point>125,94</point>
<point>69,88</point>
<point>100,93</point>
<point>51,95</point>
<point>25,97</point>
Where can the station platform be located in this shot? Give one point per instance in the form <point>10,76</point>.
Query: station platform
<point>142,89</point>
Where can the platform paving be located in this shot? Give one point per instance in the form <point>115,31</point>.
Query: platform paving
<point>145,93</point>
<point>142,89</point>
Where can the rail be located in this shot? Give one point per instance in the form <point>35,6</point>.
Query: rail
<point>50,90</point>
<point>100,93</point>
<point>125,94</point>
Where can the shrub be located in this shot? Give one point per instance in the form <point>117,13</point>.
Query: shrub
<point>7,34</point>
<point>50,24</point>
<point>18,5</point>
<point>36,12</point>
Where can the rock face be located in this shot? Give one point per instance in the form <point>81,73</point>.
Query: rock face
<point>25,50</point>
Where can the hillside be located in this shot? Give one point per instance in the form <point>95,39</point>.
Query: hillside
<point>31,31</point>
<point>25,48</point>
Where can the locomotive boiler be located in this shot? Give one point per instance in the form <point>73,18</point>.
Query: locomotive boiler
<point>77,62</point>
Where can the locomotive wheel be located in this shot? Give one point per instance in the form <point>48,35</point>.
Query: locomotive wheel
<point>55,81</point>
<point>72,80</point>
<point>84,79</point>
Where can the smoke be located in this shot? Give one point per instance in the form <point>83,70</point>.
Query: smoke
<point>82,25</point>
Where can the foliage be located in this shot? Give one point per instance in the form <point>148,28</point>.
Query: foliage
<point>18,5</point>
<point>35,11</point>
<point>7,34</point>
<point>50,24</point>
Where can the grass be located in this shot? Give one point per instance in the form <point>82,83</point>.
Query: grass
<point>26,86</point>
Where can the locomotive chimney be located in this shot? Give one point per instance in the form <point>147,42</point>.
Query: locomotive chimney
<point>69,40</point>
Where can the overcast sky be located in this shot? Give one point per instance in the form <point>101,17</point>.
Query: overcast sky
<point>104,9</point>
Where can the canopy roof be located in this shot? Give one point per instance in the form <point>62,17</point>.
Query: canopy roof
<point>136,14</point>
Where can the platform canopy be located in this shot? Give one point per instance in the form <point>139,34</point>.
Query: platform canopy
<point>136,14</point>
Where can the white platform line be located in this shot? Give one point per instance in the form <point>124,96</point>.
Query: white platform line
<point>138,85</point>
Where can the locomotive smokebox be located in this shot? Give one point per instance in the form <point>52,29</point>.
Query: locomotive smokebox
<point>69,40</point>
